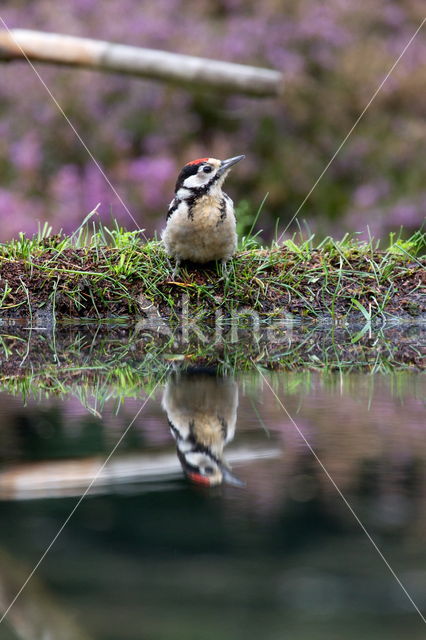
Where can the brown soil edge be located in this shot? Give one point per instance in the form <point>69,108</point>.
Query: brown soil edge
<point>72,287</point>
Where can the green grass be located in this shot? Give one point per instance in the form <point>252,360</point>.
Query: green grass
<point>101,273</point>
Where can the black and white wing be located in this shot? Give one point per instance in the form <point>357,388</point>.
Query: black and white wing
<point>172,207</point>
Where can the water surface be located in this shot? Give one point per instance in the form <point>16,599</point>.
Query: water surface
<point>274,552</point>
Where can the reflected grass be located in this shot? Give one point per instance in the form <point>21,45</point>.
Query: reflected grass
<point>96,363</point>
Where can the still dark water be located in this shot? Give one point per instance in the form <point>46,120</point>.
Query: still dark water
<point>266,550</point>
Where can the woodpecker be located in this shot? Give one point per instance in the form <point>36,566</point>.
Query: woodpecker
<point>202,412</point>
<point>201,221</point>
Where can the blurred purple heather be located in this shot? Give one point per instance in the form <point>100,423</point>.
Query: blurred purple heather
<point>333,58</point>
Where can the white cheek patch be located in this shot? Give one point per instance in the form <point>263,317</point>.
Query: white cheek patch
<point>194,181</point>
<point>198,179</point>
<point>200,460</point>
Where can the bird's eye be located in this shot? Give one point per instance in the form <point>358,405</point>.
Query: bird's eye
<point>208,470</point>
<point>207,169</point>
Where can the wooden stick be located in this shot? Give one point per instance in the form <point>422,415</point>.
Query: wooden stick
<point>56,478</point>
<point>148,63</point>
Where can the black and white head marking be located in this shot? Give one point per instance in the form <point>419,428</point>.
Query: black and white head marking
<point>195,457</point>
<point>201,177</point>
<point>197,177</point>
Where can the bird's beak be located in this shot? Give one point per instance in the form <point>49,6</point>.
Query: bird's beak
<point>229,477</point>
<point>227,164</point>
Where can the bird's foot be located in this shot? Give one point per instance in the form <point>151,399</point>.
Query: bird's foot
<point>224,269</point>
<point>176,269</point>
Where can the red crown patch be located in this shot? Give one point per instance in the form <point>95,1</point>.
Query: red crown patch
<point>197,161</point>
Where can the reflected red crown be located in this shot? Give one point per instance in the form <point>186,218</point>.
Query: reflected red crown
<point>197,477</point>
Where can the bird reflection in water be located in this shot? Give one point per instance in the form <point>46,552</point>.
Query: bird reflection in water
<point>201,408</point>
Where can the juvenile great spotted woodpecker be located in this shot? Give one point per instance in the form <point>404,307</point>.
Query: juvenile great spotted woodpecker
<point>201,409</point>
<point>201,221</point>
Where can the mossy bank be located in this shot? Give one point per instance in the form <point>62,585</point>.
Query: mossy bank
<point>112,273</point>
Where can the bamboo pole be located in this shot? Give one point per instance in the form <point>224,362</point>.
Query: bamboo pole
<point>180,69</point>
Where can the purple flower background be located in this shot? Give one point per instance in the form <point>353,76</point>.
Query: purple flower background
<point>333,57</point>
